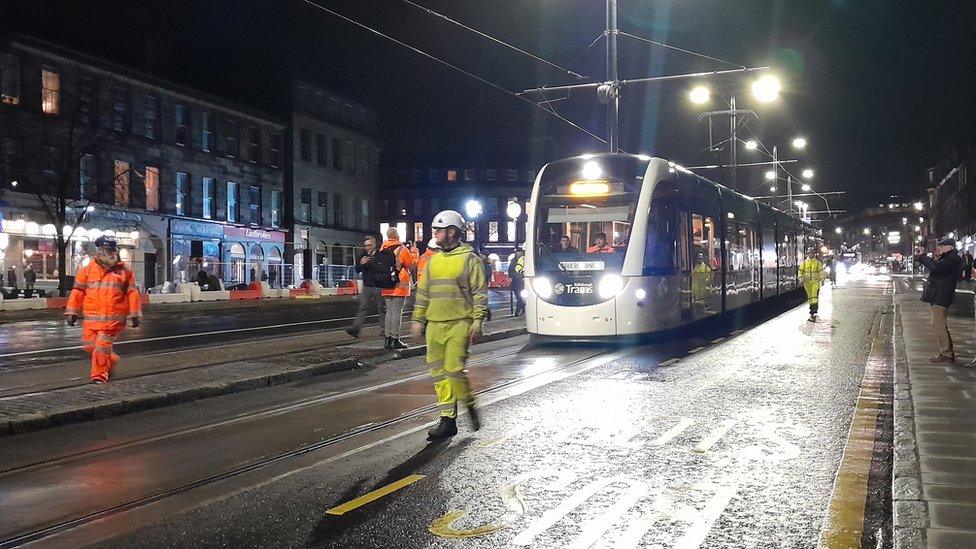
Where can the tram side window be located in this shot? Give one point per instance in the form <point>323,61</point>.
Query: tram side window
<point>705,243</point>
<point>684,262</point>
<point>741,247</point>
<point>769,251</point>
<point>659,253</point>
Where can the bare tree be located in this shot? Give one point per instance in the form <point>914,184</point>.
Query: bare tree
<point>54,154</point>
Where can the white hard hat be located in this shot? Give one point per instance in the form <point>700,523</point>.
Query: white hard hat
<point>447,218</point>
<point>432,244</point>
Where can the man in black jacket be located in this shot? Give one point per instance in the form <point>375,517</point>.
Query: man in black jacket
<point>366,265</point>
<point>939,291</point>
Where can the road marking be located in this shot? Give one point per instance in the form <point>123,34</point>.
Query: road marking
<point>673,432</point>
<point>714,436</point>
<point>374,495</point>
<point>695,350</point>
<point>698,531</point>
<point>669,361</point>
<point>718,340</point>
<point>844,523</point>
<point>521,429</point>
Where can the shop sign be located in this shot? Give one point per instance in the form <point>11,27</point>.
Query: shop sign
<point>244,233</point>
<point>197,228</point>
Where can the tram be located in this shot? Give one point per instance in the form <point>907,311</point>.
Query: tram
<point>621,244</point>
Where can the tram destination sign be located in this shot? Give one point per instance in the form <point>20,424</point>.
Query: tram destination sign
<point>582,265</point>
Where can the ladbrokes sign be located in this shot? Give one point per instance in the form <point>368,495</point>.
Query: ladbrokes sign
<point>259,235</point>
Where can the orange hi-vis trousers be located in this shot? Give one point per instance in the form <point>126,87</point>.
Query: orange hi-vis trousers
<point>99,344</point>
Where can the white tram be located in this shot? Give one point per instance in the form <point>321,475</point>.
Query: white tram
<point>679,248</point>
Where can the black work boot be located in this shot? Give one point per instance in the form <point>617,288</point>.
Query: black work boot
<point>446,428</point>
<point>473,416</point>
<point>395,343</point>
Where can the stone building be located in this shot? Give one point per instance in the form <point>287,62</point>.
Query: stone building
<point>186,180</point>
<point>331,179</point>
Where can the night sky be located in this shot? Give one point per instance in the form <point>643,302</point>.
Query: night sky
<point>877,87</point>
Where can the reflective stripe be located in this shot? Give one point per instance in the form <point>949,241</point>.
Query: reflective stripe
<point>103,350</point>
<point>104,318</point>
<point>104,337</point>
<point>456,375</point>
<point>105,284</point>
<point>78,286</point>
<point>76,312</point>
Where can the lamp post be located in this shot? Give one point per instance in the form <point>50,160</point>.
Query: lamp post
<point>472,208</point>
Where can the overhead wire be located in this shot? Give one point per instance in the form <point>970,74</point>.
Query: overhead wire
<point>492,38</point>
<point>454,67</point>
<point>681,50</point>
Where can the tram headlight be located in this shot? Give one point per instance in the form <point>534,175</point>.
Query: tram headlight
<point>542,287</point>
<point>610,286</point>
<point>640,293</point>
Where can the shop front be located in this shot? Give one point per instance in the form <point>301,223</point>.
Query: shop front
<point>253,254</point>
<point>195,246</point>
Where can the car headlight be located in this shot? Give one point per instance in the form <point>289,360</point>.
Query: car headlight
<point>610,286</point>
<point>542,287</point>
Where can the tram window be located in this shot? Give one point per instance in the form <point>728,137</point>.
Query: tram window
<point>705,243</point>
<point>659,247</point>
<point>684,262</point>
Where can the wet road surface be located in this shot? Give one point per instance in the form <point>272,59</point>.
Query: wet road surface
<point>720,440</point>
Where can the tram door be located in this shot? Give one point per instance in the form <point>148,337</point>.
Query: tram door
<point>684,264</point>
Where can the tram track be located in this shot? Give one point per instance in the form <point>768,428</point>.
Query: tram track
<point>261,463</point>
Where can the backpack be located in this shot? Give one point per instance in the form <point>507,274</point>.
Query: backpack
<point>387,274</point>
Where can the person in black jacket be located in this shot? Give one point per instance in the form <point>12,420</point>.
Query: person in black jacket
<point>939,292</point>
<point>366,266</point>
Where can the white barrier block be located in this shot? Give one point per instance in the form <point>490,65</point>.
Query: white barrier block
<point>169,298</point>
<point>222,295</point>
<point>23,304</point>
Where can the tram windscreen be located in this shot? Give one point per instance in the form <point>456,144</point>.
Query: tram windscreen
<point>583,226</point>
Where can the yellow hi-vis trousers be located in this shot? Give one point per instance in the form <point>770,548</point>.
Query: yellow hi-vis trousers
<point>813,291</point>
<point>447,351</point>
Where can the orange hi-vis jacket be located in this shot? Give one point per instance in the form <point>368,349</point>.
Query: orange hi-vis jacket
<point>104,298</point>
<point>407,261</point>
<point>422,262</point>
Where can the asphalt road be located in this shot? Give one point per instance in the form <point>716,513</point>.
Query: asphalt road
<point>721,439</point>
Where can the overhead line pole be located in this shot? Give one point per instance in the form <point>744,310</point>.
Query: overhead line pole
<point>613,106</point>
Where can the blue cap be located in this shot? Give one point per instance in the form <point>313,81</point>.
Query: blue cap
<point>106,242</point>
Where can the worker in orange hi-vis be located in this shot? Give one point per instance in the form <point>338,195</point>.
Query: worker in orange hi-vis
<point>432,248</point>
<point>105,296</point>
<point>397,295</point>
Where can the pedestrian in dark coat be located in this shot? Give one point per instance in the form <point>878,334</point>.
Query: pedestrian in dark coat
<point>12,278</point>
<point>939,292</point>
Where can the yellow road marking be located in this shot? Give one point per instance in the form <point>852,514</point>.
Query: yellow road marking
<point>844,523</point>
<point>374,495</point>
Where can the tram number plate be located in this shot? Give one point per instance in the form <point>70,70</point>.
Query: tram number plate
<point>582,265</point>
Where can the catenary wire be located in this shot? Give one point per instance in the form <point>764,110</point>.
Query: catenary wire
<point>492,38</point>
<point>455,67</point>
<point>681,50</point>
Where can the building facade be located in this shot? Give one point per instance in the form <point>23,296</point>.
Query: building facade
<point>331,182</point>
<point>952,199</point>
<point>188,181</point>
<point>492,198</point>
<point>889,230</point>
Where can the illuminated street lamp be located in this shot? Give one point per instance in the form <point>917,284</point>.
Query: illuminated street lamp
<point>805,187</point>
<point>472,208</point>
<point>766,89</point>
<point>807,173</point>
<point>867,232</point>
<point>514,210</point>
<point>838,230</point>
<point>752,145</point>
<point>919,206</point>
<point>700,95</point>
<point>772,189</point>
<point>770,175</point>
<point>799,142</point>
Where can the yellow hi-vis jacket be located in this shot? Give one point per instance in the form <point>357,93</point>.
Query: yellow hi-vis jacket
<point>452,287</point>
<point>811,270</point>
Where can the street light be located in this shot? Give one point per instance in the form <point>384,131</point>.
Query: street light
<point>838,230</point>
<point>752,145</point>
<point>766,89</point>
<point>805,187</point>
<point>472,208</point>
<point>770,175</point>
<point>772,189</point>
<point>867,232</point>
<point>918,206</point>
<point>799,143</point>
<point>700,95</point>
<point>514,210</point>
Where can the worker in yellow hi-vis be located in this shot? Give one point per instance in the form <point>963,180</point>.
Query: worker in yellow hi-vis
<point>452,302</point>
<point>811,273</point>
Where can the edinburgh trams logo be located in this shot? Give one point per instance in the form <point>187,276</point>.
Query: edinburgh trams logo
<point>574,288</point>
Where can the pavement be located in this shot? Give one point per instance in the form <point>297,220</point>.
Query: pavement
<point>56,394</point>
<point>770,434</point>
<point>935,426</point>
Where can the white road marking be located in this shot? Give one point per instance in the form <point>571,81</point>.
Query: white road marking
<point>552,516</point>
<point>673,432</point>
<point>699,529</point>
<point>695,350</point>
<point>718,340</point>
<point>714,436</point>
<point>595,529</point>
<point>669,361</point>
